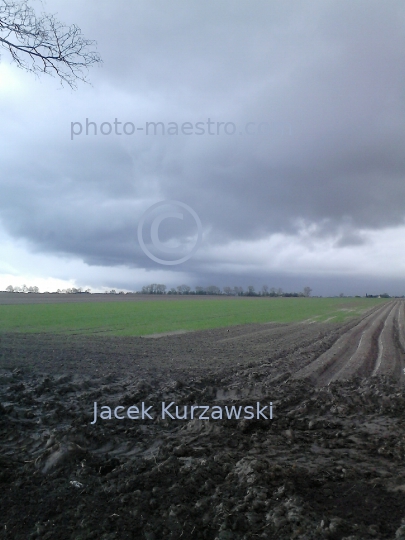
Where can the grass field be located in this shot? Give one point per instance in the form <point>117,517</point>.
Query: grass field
<point>145,318</point>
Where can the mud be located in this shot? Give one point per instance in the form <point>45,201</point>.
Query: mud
<point>330,464</point>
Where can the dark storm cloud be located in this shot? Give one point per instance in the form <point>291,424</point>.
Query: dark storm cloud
<point>327,76</point>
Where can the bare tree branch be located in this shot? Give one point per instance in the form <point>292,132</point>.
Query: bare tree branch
<point>45,45</point>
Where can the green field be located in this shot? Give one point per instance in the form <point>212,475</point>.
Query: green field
<point>144,318</point>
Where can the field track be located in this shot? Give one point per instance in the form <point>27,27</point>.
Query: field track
<point>374,346</point>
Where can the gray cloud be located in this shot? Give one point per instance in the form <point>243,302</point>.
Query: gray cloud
<point>327,76</point>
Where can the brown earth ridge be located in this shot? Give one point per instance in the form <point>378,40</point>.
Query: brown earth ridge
<point>330,464</point>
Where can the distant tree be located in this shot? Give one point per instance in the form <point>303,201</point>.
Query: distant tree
<point>341,295</point>
<point>200,290</point>
<point>75,290</point>
<point>183,289</point>
<point>160,288</point>
<point>251,291</point>
<point>307,291</point>
<point>10,288</point>
<point>213,289</point>
<point>265,290</point>
<point>238,291</point>
<point>154,288</point>
<point>279,292</point>
<point>227,290</point>
<point>42,44</point>
<point>113,291</point>
<point>33,289</point>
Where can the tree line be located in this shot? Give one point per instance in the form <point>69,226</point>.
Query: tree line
<point>25,289</point>
<point>157,288</point>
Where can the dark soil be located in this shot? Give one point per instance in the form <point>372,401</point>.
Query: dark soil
<point>330,464</point>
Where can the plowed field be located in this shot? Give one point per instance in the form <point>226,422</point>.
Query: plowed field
<point>330,463</point>
<point>374,346</point>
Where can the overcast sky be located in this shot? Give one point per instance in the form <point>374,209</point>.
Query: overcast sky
<point>313,195</point>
